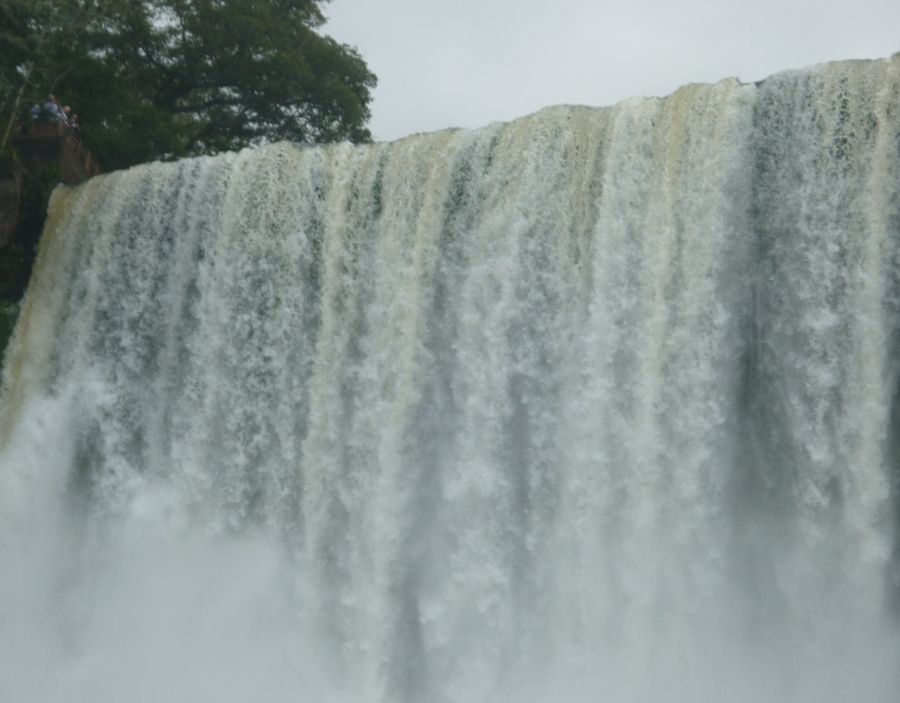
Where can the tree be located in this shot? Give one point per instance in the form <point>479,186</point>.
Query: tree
<point>162,79</point>
<point>41,43</point>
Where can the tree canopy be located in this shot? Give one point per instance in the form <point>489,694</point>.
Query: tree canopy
<point>162,79</point>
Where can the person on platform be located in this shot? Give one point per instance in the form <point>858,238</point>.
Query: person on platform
<point>54,110</point>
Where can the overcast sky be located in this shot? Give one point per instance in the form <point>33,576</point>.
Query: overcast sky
<point>466,63</point>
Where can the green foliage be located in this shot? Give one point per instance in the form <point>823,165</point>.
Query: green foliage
<point>162,79</point>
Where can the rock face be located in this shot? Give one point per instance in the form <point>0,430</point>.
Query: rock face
<point>46,153</point>
<point>8,314</point>
<point>10,196</point>
<point>48,144</point>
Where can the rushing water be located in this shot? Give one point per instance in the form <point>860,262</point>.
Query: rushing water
<point>598,405</point>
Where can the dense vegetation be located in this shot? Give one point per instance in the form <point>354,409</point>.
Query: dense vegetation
<point>163,79</point>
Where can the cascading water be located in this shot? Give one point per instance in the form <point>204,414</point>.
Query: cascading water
<point>598,405</point>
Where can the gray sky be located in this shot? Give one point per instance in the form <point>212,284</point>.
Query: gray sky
<point>466,63</point>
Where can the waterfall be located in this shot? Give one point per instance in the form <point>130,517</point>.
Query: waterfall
<point>596,405</point>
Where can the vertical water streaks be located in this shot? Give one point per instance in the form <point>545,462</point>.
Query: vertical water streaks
<point>826,193</point>
<point>600,403</point>
<point>651,411</point>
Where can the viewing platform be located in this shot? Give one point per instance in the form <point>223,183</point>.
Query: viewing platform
<point>40,145</point>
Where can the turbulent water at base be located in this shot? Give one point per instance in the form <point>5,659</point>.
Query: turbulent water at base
<point>597,405</point>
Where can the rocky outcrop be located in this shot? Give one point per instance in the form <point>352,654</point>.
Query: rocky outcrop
<point>10,197</point>
<point>45,154</point>
<point>43,144</point>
